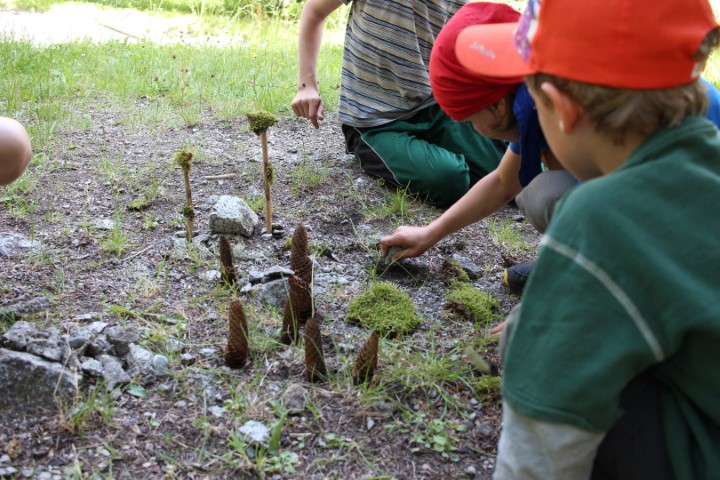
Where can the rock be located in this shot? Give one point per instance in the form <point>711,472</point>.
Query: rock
<point>295,398</point>
<point>113,372</point>
<point>99,346</point>
<point>47,348</point>
<point>13,243</point>
<point>256,432</point>
<point>272,293</point>
<point>92,367</point>
<point>121,339</point>
<point>28,382</point>
<point>182,250</point>
<point>187,359</point>
<point>272,273</point>
<point>139,361</point>
<point>86,317</point>
<point>474,271</point>
<point>91,331</point>
<point>105,224</point>
<point>212,275</point>
<point>161,366</point>
<point>34,305</point>
<point>232,215</point>
<point>19,334</point>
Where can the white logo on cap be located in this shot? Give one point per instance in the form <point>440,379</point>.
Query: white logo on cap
<point>483,50</point>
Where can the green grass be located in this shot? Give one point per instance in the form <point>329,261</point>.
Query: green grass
<point>153,86</point>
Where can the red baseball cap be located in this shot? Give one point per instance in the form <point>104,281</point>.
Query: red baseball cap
<point>636,44</point>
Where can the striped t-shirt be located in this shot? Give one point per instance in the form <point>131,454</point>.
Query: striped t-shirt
<point>386,57</point>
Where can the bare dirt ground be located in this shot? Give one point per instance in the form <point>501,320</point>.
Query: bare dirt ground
<point>186,427</point>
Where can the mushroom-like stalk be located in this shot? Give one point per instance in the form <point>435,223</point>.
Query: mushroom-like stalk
<point>183,159</point>
<point>259,123</point>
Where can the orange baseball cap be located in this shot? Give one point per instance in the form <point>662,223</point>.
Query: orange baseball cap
<point>636,44</point>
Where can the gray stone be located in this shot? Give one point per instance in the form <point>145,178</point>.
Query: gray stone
<point>28,382</point>
<point>113,372</point>
<point>183,250</point>
<point>139,361</point>
<point>105,224</point>
<point>19,334</point>
<point>92,367</point>
<point>272,273</point>
<point>121,338</point>
<point>86,317</point>
<point>12,243</point>
<point>161,366</point>
<point>28,307</point>
<point>78,343</point>
<point>256,432</point>
<point>272,293</point>
<point>187,359</point>
<point>295,398</point>
<point>92,330</point>
<point>48,348</point>
<point>212,275</point>
<point>474,271</point>
<point>232,215</point>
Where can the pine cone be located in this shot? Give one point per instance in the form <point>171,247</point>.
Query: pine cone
<point>366,363</point>
<point>300,261</point>
<point>236,352</point>
<point>300,298</point>
<point>315,370</point>
<point>226,260</point>
<point>290,331</point>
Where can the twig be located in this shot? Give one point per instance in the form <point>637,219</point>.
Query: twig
<point>220,177</point>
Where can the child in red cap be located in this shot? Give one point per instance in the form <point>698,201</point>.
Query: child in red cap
<point>15,150</point>
<point>619,376</point>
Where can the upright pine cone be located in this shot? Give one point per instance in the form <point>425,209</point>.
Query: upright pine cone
<point>290,330</point>
<point>366,363</point>
<point>300,298</point>
<point>315,370</point>
<point>300,254</point>
<point>226,260</point>
<point>236,352</point>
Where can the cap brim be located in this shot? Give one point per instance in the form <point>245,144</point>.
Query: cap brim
<point>490,50</point>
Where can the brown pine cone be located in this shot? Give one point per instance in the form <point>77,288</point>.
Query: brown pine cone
<point>300,298</point>
<point>226,260</point>
<point>236,352</point>
<point>300,261</point>
<point>366,363</point>
<point>290,330</point>
<point>315,370</point>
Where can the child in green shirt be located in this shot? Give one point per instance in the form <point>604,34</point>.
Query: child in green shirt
<point>612,366</point>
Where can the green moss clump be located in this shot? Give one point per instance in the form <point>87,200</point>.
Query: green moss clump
<point>385,309</point>
<point>466,301</point>
<point>260,121</point>
<point>183,159</point>
<point>189,212</point>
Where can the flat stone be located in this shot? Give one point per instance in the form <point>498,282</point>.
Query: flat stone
<point>232,215</point>
<point>92,367</point>
<point>272,293</point>
<point>12,243</point>
<point>121,338</point>
<point>256,432</point>
<point>113,372</point>
<point>19,334</point>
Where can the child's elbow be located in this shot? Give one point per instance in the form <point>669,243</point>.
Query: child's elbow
<point>15,150</point>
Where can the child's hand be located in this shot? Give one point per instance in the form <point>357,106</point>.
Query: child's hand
<point>496,331</point>
<point>308,104</point>
<point>414,240</point>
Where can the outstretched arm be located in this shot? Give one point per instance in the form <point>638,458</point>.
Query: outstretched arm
<point>486,197</point>
<point>307,102</point>
<point>15,150</point>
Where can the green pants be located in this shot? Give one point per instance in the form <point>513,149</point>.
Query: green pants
<point>431,154</point>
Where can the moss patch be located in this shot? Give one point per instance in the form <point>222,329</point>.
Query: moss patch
<point>385,309</point>
<point>466,301</point>
<point>486,388</point>
<point>451,271</point>
<point>260,121</point>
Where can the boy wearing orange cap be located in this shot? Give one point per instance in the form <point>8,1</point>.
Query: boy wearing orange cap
<point>15,150</point>
<point>390,119</point>
<point>619,376</point>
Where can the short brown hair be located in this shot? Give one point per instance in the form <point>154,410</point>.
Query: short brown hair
<point>619,111</point>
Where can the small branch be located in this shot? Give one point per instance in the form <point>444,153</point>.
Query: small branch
<point>267,176</point>
<point>220,177</point>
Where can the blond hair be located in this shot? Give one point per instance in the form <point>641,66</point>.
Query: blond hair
<point>617,112</point>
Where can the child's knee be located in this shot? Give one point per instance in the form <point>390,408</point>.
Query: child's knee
<point>15,150</point>
<point>445,185</point>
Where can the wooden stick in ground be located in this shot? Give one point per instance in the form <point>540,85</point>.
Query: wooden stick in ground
<point>259,123</point>
<point>267,180</point>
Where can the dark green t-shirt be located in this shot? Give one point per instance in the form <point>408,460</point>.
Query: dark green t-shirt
<point>628,278</point>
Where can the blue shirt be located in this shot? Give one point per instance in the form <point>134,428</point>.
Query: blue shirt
<point>532,141</point>
<point>713,113</point>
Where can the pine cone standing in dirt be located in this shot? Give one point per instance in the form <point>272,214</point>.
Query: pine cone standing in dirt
<point>366,364</point>
<point>226,260</point>
<point>298,308</point>
<point>236,352</point>
<point>300,261</point>
<point>315,370</point>
<point>290,327</point>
